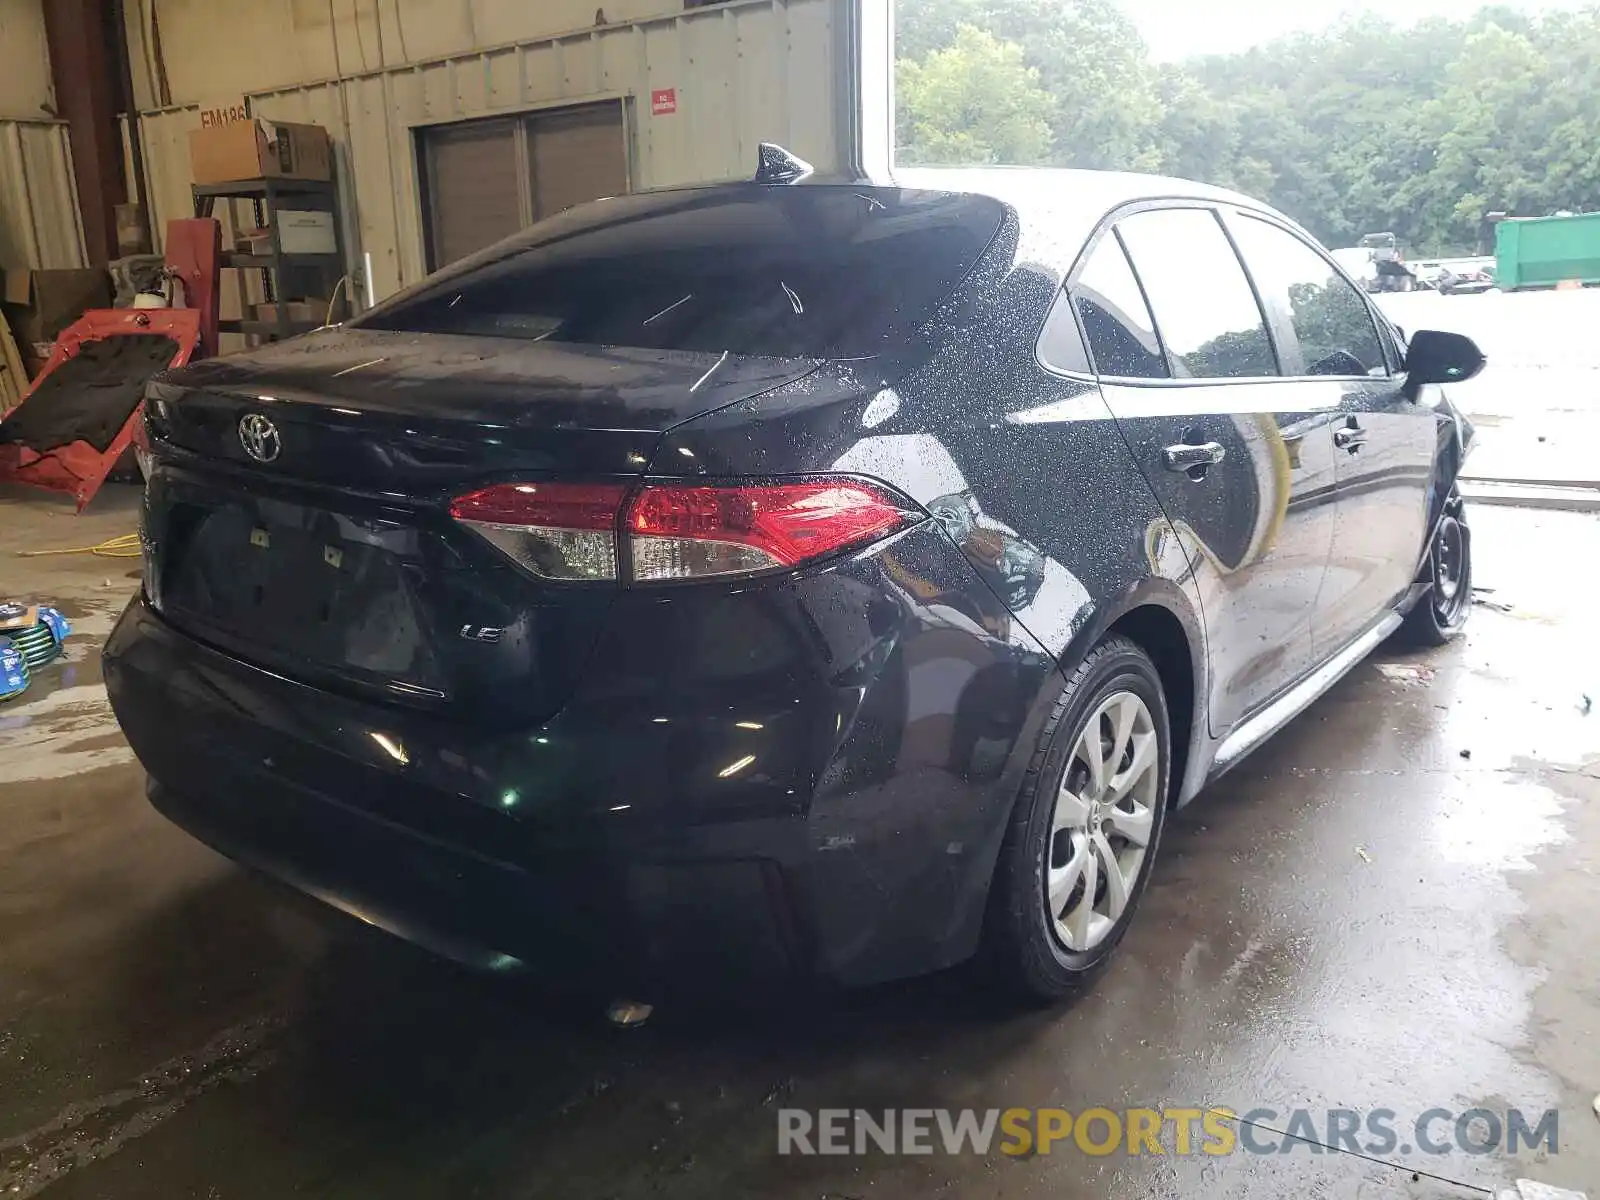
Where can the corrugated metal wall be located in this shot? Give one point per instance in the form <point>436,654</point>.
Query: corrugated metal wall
<point>166,164</point>
<point>39,221</point>
<point>211,50</point>
<point>761,70</point>
<point>25,77</point>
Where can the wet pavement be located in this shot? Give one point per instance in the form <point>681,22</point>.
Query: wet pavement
<point>1358,917</point>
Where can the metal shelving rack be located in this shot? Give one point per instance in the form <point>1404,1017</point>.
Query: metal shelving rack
<point>280,272</point>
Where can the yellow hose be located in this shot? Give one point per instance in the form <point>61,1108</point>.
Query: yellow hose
<point>125,546</point>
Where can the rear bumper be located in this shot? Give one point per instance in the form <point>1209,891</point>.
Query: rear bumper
<point>233,758</point>
<point>838,819</point>
<point>558,923</point>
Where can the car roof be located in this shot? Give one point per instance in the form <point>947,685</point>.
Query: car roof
<point>1065,186</point>
<point>1057,208</point>
<point>1062,205</point>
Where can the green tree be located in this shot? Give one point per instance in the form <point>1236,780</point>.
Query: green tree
<point>1422,130</point>
<point>975,101</point>
<point>1363,126</point>
<point>1091,63</point>
<point>1197,134</point>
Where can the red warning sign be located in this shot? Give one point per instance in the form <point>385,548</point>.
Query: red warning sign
<point>663,101</point>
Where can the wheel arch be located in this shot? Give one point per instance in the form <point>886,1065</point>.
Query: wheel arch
<point>1158,616</point>
<point>1160,634</point>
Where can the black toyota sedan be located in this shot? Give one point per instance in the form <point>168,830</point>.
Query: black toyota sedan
<point>785,581</point>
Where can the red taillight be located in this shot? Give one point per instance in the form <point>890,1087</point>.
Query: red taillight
<point>554,505</point>
<point>677,531</point>
<point>557,530</point>
<point>686,531</point>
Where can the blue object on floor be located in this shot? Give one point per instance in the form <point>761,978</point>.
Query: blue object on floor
<point>57,624</point>
<point>13,670</point>
<point>35,643</point>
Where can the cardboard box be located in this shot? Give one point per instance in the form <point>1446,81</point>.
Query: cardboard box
<point>313,309</point>
<point>302,231</point>
<point>259,149</point>
<point>40,304</point>
<point>224,110</point>
<point>299,310</point>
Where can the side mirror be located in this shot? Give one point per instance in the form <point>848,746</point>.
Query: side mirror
<point>1434,356</point>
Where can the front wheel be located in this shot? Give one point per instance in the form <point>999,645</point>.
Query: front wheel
<point>1442,614</point>
<point>1078,854</point>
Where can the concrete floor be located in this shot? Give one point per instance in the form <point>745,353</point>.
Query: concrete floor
<point>172,1027</point>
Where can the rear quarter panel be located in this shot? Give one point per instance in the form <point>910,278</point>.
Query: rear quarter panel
<point>1025,471</point>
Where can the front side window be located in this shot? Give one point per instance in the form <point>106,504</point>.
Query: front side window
<point>1116,320</point>
<point>1203,304</point>
<point>1330,318</point>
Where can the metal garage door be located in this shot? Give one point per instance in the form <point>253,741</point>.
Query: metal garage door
<point>474,187</point>
<point>484,180</point>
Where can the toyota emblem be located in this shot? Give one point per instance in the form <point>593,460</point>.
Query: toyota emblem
<point>259,436</point>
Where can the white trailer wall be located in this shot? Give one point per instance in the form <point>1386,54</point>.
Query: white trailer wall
<point>742,72</point>
<point>25,92</point>
<point>39,221</point>
<point>214,48</point>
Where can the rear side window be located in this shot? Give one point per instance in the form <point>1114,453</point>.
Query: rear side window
<point>1330,319</point>
<point>1116,321</point>
<point>808,271</point>
<point>1203,304</point>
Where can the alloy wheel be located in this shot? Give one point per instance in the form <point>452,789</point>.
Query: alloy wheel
<point>1101,827</point>
<point>1449,571</point>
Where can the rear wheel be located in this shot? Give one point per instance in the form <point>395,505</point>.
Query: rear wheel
<point>1078,854</point>
<point>1442,614</point>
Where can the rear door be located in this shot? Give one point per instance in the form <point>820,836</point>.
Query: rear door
<point>1233,452</point>
<point>1382,444</point>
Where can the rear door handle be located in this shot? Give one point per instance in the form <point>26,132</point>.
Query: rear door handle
<point>1189,458</point>
<point>1351,438</point>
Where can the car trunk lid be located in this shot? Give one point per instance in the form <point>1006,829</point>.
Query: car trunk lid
<point>326,552</point>
<point>410,414</point>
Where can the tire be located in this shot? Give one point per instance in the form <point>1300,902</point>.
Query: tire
<point>1439,617</point>
<point>1026,946</point>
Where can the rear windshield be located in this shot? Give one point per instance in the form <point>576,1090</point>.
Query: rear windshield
<point>809,271</point>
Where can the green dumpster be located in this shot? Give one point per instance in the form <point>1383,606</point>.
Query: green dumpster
<point>1544,251</point>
